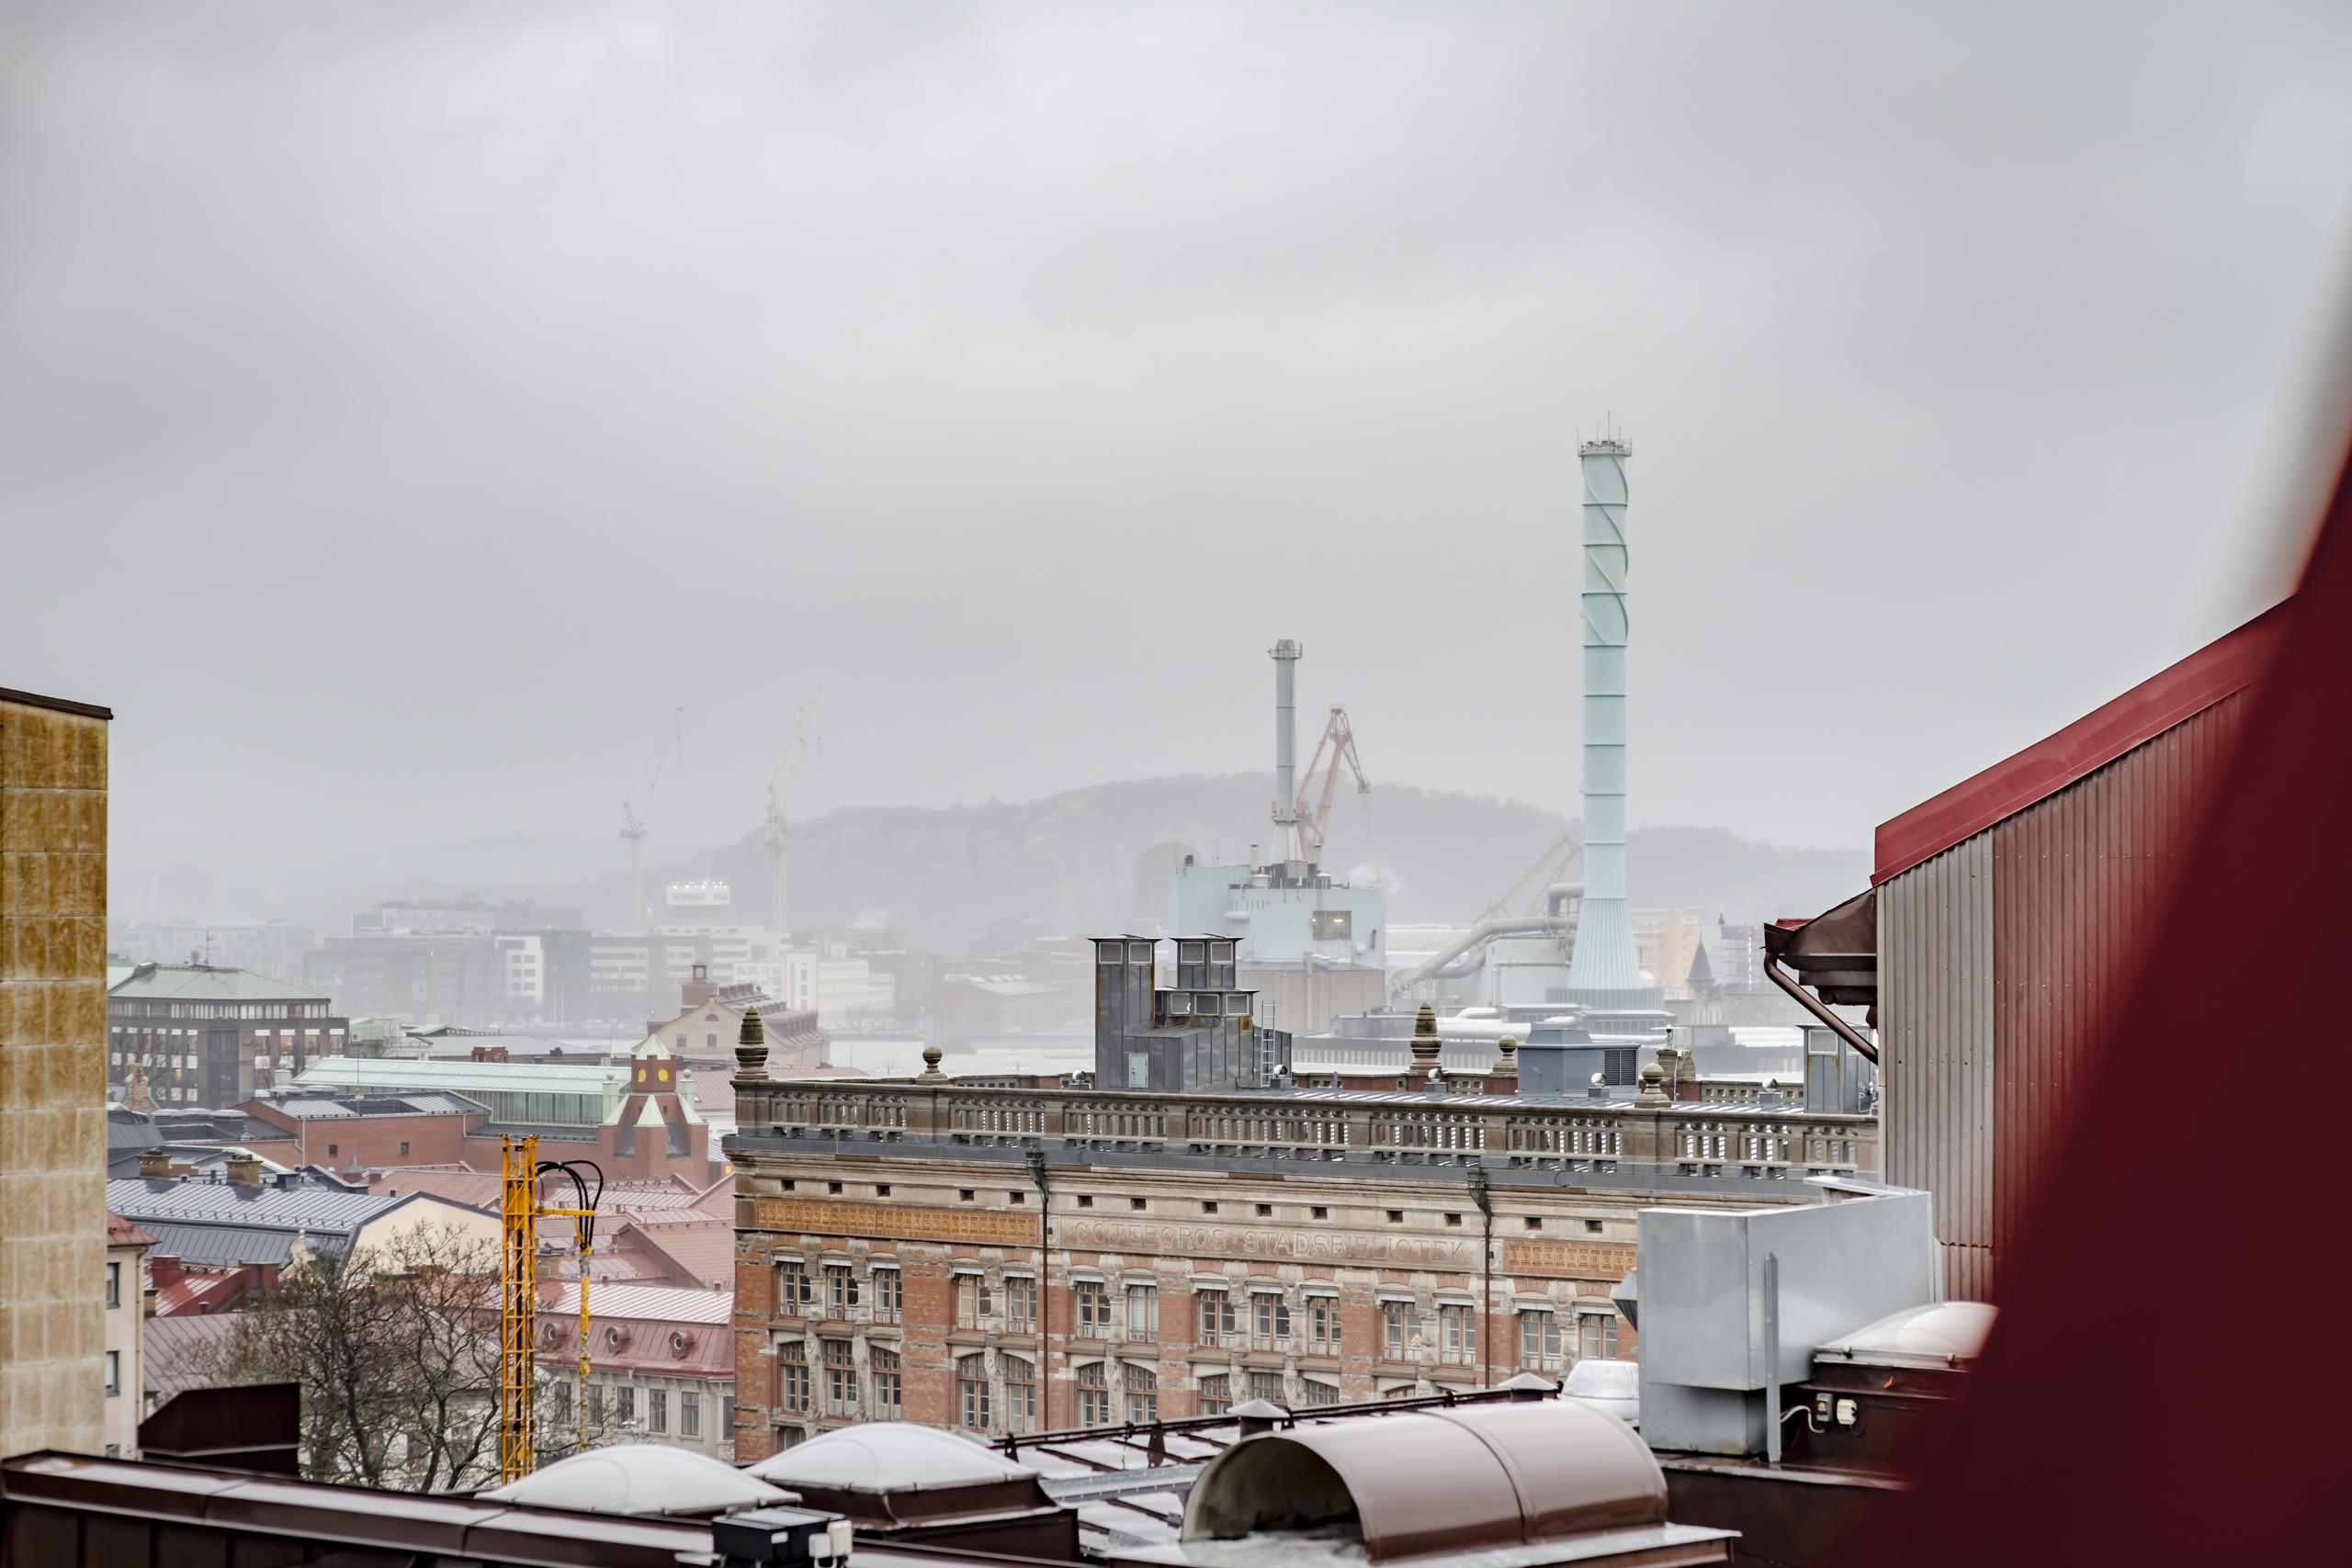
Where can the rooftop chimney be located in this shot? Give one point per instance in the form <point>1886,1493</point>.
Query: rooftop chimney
<point>244,1167</point>
<point>1256,1416</point>
<point>155,1165</point>
<point>165,1270</point>
<point>1603,971</point>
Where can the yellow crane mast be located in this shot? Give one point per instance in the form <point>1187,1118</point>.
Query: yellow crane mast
<point>521,1170</point>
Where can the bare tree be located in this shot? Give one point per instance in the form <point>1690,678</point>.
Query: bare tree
<point>396,1352</point>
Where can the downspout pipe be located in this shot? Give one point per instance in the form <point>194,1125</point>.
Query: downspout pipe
<point>1479,1196</point>
<point>1037,1163</point>
<point>1819,1009</point>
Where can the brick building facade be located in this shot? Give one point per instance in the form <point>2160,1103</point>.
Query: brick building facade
<point>918,1288</point>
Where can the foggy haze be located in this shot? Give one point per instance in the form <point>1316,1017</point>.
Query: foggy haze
<point>405,407</point>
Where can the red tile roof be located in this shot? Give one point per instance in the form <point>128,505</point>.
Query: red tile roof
<point>700,1252</point>
<point>125,1233</point>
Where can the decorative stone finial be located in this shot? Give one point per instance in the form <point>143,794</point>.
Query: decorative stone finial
<point>932,1056</point>
<point>1426,1044</point>
<point>1653,1087</point>
<point>752,1046</point>
<point>1507,1064</point>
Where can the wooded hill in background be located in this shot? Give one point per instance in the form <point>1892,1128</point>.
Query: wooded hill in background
<point>1096,859</point>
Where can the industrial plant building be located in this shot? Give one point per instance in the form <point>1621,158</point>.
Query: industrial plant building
<point>1312,947</point>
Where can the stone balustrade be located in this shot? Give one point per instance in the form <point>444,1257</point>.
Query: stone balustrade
<point>1501,1131</point>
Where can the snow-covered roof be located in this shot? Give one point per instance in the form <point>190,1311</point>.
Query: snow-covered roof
<point>641,1479</point>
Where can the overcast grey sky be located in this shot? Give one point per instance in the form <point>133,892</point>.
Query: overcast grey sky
<point>402,407</point>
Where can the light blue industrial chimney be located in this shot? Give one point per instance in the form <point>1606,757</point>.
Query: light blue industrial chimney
<point>1603,972</point>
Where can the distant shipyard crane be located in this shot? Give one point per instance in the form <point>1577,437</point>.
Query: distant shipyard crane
<point>1315,822</point>
<point>635,823</point>
<point>787,775</point>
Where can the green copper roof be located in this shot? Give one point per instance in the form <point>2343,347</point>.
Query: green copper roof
<point>202,983</point>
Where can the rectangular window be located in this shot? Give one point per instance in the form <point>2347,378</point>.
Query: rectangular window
<point>1143,1394</point>
<point>596,1405</point>
<point>885,1367</point>
<point>887,1297</point>
<point>1267,1386</point>
<point>1598,1335</point>
<point>792,1290</point>
<point>114,1284</point>
<point>841,1290</point>
<point>689,1414</point>
<point>840,1379</point>
<point>1458,1335</point>
<point>657,1409</point>
<point>1400,1336</point>
<point>1539,1341</point>
<point>1019,1304</point>
<point>114,1373</point>
<point>1322,1325</point>
<point>972,1391</point>
<point>1093,1396</point>
<point>1312,1393</point>
<point>1094,1307</point>
<point>628,1404</point>
<point>1217,1393</point>
<point>1268,1321</point>
<point>1143,1313</point>
<point>1217,1326</point>
<point>791,1379</point>
<point>1328,925</point>
<point>972,1303</point>
<point>1020,1392</point>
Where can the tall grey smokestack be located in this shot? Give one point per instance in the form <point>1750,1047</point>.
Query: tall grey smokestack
<point>1287,843</point>
<point>1603,972</point>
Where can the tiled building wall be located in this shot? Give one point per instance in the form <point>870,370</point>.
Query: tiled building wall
<point>1560,1254</point>
<point>53,1077</point>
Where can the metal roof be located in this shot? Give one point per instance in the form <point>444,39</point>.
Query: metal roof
<point>353,1107</point>
<point>359,1072</point>
<point>54,705</point>
<point>176,1353</point>
<point>2226,665</point>
<point>230,1202</point>
<point>198,1241</point>
<point>202,982</point>
<point>649,1303</point>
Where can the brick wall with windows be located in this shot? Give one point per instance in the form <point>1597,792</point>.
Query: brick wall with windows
<point>934,1306</point>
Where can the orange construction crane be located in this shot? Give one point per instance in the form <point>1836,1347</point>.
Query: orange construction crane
<point>521,1168</point>
<point>1315,822</point>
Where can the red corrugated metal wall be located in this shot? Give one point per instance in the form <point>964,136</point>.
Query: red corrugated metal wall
<point>1935,937</point>
<point>2078,880</point>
